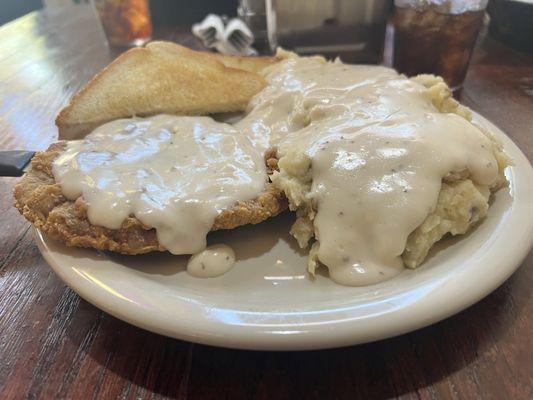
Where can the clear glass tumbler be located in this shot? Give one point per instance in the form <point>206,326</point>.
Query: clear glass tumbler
<point>125,22</point>
<point>436,37</point>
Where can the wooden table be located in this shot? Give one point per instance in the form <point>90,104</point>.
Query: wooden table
<point>55,345</point>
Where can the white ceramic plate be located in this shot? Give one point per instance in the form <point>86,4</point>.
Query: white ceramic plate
<point>268,302</point>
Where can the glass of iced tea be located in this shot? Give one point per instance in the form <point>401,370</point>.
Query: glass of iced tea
<point>436,37</point>
<point>125,22</point>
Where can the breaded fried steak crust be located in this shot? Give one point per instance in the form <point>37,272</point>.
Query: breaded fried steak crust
<point>39,199</point>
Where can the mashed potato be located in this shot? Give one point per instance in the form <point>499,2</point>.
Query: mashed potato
<point>461,203</point>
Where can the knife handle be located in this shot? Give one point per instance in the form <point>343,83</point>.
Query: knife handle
<point>13,162</point>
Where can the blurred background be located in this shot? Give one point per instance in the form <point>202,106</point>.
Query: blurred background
<point>414,36</point>
<point>164,12</point>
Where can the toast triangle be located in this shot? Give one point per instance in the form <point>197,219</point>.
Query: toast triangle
<point>162,77</point>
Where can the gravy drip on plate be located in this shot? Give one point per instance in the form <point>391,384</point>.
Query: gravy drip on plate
<point>379,150</point>
<point>214,261</point>
<point>174,174</point>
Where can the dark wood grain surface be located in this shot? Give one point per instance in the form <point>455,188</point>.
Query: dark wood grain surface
<point>55,345</point>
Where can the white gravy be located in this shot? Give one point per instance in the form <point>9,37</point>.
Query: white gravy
<point>379,150</point>
<point>174,174</point>
<point>214,261</point>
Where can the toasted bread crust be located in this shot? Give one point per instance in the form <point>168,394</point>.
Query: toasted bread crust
<point>40,200</point>
<point>162,77</point>
<point>246,63</point>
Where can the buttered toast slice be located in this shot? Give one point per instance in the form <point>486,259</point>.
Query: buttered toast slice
<point>162,77</point>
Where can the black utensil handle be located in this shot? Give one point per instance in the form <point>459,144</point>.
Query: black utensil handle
<point>12,163</point>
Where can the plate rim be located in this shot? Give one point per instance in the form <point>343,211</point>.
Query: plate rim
<point>339,333</point>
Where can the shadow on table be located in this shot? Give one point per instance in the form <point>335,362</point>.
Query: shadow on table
<point>379,370</point>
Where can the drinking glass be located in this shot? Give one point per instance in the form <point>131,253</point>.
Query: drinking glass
<point>436,37</point>
<point>125,22</point>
